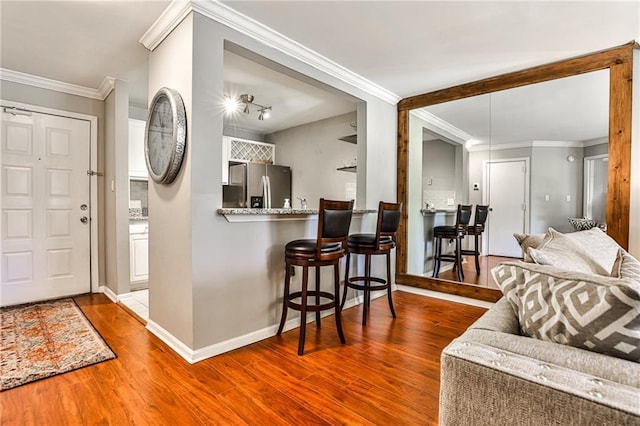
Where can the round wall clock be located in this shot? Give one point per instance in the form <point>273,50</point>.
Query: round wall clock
<point>165,136</point>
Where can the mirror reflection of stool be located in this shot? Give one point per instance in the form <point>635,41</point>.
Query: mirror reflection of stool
<point>380,243</point>
<point>479,220</point>
<point>455,232</point>
<point>334,219</point>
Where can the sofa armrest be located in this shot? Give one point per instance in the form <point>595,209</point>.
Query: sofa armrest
<point>482,385</point>
<point>500,318</point>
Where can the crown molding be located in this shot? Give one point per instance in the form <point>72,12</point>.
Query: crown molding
<point>229,17</point>
<point>557,144</point>
<point>597,141</point>
<point>166,22</point>
<point>46,83</point>
<point>539,144</point>
<point>107,85</point>
<point>441,127</point>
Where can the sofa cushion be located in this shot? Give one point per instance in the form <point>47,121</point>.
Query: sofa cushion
<point>563,252</point>
<point>526,241</point>
<point>596,242</point>
<point>601,314</point>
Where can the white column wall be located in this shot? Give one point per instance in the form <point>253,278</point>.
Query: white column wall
<point>415,220</point>
<point>170,206</point>
<point>237,269</point>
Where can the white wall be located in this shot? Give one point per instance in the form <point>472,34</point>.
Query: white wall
<point>116,196</point>
<point>415,220</point>
<point>211,280</point>
<point>314,153</point>
<point>170,223</point>
<point>553,175</point>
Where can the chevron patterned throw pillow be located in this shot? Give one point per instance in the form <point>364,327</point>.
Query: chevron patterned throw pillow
<point>600,314</point>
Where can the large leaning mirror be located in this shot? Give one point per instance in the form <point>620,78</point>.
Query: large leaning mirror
<point>539,147</point>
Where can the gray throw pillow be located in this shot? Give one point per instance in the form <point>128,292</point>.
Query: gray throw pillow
<point>602,248</point>
<point>526,241</point>
<point>600,314</point>
<point>562,252</point>
<point>626,266</point>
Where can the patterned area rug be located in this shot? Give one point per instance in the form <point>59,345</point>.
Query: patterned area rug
<point>43,339</point>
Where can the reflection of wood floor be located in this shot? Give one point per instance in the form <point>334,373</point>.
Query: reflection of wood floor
<point>469,270</point>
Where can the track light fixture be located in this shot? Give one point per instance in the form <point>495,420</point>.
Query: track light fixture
<point>232,105</point>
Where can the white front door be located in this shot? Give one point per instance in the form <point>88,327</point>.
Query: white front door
<point>507,199</point>
<point>45,200</point>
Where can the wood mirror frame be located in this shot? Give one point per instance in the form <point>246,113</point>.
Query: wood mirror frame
<point>619,61</point>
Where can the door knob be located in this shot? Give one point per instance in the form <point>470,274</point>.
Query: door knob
<point>84,219</point>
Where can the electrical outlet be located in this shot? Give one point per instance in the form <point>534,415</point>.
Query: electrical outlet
<point>568,198</point>
<point>450,201</point>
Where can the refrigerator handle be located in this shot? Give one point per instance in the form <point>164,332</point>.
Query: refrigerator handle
<point>268,192</point>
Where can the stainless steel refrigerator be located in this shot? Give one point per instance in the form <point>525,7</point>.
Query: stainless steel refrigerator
<point>268,184</point>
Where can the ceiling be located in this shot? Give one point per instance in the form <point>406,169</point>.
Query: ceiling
<point>406,47</point>
<point>572,109</point>
<point>79,42</point>
<point>293,101</point>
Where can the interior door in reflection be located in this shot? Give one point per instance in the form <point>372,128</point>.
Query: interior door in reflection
<point>508,202</point>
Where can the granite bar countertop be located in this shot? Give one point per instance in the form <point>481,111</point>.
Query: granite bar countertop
<point>433,211</point>
<point>292,211</point>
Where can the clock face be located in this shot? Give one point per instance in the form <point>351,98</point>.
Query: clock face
<point>165,136</point>
<point>160,136</point>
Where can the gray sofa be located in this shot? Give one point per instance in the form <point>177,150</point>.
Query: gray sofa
<point>494,374</point>
<point>491,375</point>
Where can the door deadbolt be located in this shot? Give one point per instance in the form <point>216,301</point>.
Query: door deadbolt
<point>84,219</point>
<point>83,207</point>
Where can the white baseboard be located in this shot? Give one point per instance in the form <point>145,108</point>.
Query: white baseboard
<point>192,356</point>
<point>109,293</point>
<point>445,296</point>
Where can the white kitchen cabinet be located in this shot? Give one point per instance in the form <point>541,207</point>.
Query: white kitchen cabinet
<point>139,257</point>
<point>137,162</point>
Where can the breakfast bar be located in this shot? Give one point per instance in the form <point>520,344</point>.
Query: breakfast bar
<point>268,215</point>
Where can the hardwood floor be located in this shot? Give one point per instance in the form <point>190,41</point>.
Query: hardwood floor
<point>387,373</point>
<point>484,279</point>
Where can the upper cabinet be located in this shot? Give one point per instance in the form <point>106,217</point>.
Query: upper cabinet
<point>137,163</point>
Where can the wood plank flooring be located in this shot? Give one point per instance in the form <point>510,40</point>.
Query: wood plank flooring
<point>387,373</point>
<point>484,279</point>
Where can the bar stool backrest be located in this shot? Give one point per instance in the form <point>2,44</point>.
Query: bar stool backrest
<point>389,215</point>
<point>482,212</point>
<point>334,220</point>
<point>463,217</point>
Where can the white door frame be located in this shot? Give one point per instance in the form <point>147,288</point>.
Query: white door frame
<point>587,193</point>
<point>485,192</point>
<point>93,187</point>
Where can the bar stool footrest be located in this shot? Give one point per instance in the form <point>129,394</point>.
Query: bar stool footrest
<point>312,307</point>
<point>353,283</point>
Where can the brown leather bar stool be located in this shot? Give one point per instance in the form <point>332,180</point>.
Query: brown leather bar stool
<point>334,219</point>
<point>455,232</point>
<point>479,219</point>
<point>370,245</point>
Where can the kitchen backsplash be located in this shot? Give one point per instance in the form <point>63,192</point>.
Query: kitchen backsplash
<point>439,198</point>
